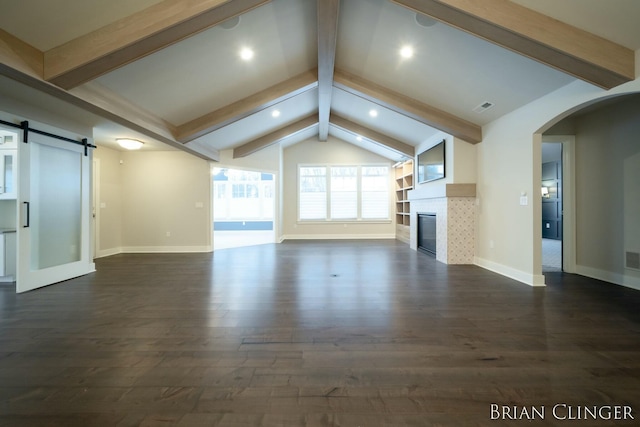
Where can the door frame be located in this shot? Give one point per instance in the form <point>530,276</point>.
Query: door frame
<point>568,199</point>
<point>276,197</point>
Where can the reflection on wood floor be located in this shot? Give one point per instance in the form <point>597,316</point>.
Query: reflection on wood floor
<point>322,333</point>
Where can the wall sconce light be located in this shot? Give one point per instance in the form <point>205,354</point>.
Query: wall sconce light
<point>130,144</point>
<point>545,192</point>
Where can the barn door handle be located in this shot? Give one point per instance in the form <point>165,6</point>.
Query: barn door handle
<point>28,205</point>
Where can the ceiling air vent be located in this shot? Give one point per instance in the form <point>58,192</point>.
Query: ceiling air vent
<point>483,107</point>
<point>632,260</point>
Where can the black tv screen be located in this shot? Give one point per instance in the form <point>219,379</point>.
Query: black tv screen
<point>431,163</point>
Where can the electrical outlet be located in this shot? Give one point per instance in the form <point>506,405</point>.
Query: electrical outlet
<point>168,234</point>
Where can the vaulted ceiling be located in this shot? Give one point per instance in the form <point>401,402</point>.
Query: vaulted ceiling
<point>170,72</point>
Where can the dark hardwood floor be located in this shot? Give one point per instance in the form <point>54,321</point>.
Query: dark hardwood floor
<point>323,333</point>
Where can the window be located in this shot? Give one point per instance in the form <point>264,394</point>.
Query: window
<point>375,192</point>
<point>242,195</point>
<point>238,191</point>
<point>313,193</point>
<point>343,193</point>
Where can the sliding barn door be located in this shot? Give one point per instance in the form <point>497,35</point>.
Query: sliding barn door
<point>53,203</point>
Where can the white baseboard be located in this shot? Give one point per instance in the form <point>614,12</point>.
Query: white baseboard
<point>512,273</point>
<point>337,236</point>
<point>165,249</point>
<point>108,252</point>
<point>608,276</point>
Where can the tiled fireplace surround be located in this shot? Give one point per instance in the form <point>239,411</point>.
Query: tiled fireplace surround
<point>454,207</point>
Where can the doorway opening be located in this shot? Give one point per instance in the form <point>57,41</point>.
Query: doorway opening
<point>243,208</point>
<point>552,207</point>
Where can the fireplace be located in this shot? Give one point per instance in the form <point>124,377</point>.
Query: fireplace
<point>426,233</point>
<point>455,210</point>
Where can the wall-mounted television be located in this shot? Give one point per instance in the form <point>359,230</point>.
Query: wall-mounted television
<point>431,163</point>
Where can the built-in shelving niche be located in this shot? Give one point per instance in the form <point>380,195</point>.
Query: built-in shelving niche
<point>404,183</point>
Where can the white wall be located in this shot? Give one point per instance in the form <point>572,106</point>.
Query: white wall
<point>460,163</point>
<point>166,202</point>
<point>39,117</point>
<point>145,195</point>
<point>508,235</point>
<point>332,151</point>
<point>108,201</point>
<point>608,191</point>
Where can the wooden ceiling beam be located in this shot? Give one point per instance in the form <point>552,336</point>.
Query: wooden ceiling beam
<point>136,36</point>
<point>23,63</point>
<point>94,101</point>
<point>409,107</point>
<point>99,96</point>
<point>327,39</point>
<point>19,56</point>
<point>247,106</point>
<point>275,137</point>
<point>373,136</point>
<point>569,49</point>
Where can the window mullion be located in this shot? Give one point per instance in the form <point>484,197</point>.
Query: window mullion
<point>359,192</point>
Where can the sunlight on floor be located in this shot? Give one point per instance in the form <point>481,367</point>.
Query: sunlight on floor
<point>236,239</point>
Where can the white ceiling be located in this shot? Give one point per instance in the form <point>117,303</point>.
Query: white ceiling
<point>204,72</point>
<point>451,70</point>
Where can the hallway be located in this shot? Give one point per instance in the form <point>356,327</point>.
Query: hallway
<point>551,255</point>
<point>311,333</point>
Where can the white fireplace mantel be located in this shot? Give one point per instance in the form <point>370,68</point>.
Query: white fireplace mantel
<point>454,206</point>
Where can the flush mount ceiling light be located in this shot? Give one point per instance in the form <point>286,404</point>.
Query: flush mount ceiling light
<point>406,52</point>
<point>275,113</point>
<point>373,113</point>
<point>246,54</point>
<point>130,144</point>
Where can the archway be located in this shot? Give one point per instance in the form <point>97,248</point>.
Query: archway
<point>603,184</point>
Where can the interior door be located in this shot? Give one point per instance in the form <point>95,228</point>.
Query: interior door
<point>54,202</point>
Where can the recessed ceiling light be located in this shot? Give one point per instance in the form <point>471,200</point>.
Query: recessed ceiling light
<point>246,54</point>
<point>406,52</point>
<point>130,144</point>
<point>373,113</point>
<point>275,113</point>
